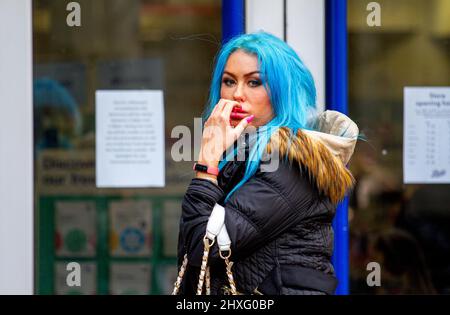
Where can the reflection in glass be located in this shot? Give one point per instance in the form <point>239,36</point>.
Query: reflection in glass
<point>118,235</point>
<point>409,49</point>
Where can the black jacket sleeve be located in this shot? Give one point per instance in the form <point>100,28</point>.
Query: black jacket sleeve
<point>267,205</point>
<point>197,205</point>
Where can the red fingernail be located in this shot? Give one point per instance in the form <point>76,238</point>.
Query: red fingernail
<point>250,118</point>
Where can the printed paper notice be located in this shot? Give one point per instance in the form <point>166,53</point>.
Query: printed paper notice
<point>130,138</point>
<point>426,131</point>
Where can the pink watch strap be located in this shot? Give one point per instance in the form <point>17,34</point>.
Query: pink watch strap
<point>213,170</point>
<point>206,169</point>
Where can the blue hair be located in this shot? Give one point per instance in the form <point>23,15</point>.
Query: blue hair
<point>288,82</point>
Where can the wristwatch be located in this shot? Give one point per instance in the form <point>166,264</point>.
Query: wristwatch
<point>206,169</point>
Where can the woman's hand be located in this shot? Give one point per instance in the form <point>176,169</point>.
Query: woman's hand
<point>218,134</point>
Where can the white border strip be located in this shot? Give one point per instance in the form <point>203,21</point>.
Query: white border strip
<point>306,34</point>
<point>16,148</point>
<point>266,15</point>
<point>305,31</point>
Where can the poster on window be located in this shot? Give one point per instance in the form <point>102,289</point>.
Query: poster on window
<point>129,143</point>
<point>131,228</point>
<point>130,279</point>
<point>75,229</point>
<point>166,277</point>
<point>66,281</point>
<point>426,135</point>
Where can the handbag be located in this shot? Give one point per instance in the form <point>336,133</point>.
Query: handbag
<point>216,231</point>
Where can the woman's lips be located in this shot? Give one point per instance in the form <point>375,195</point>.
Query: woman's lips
<point>238,116</point>
<point>238,109</point>
<point>238,113</point>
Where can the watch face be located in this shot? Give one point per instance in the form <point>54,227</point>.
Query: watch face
<point>201,168</point>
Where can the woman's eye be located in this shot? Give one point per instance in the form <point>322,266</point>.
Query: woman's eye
<point>254,83</point>
<point>228,82</point>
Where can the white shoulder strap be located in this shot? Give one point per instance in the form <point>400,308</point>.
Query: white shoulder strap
<point>215,222</point>
<point>216,228</point>
<point>223,239</point>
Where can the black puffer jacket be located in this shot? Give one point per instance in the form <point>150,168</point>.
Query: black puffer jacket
<point>279,223</point>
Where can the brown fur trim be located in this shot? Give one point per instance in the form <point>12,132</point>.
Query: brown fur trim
<point>331,176</point>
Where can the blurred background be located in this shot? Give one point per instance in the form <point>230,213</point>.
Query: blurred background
<point>405,227</point>
<point>125,239</point>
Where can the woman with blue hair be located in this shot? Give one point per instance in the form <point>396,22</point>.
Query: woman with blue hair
<point>257,217</point>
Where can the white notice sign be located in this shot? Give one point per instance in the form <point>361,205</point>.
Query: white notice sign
<point>426,135</point>
<point>129,138</point>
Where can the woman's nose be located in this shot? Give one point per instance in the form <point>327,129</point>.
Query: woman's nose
<point>238,94</point>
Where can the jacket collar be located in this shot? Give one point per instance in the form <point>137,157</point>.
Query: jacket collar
<point>324,153</point>
<point>321,158</point>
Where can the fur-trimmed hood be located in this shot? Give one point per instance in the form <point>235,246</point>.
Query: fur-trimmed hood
<point>324,153</point>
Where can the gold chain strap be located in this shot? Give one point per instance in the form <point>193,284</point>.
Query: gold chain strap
<point>208,281</point>
<point>230,277</point>
<point>229,265</point>
<point>177,284</point>
<point>205,275</point>
<point>204,264</point>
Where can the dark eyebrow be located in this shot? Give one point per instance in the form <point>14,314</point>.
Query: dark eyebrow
<point>245,75</point>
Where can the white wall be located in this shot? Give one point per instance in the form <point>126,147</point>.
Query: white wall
<point>16,155</point>
<point>305,31</point>
<point>306,34</point>
<point>265,15</point>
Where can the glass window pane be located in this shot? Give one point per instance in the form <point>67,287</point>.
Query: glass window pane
<point>403,227</point>
<point>121,237</point>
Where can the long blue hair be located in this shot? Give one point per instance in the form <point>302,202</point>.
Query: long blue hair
<point>288,82</point>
